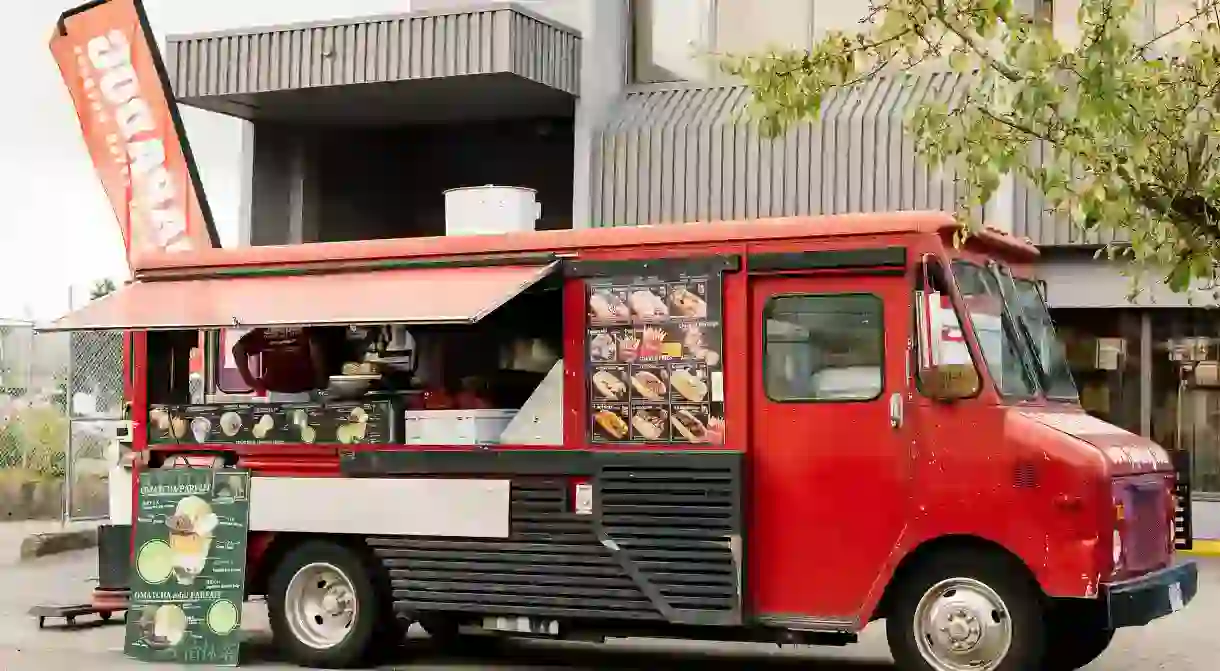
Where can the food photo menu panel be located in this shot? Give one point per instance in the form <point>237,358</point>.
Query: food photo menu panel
<point>654,359</point>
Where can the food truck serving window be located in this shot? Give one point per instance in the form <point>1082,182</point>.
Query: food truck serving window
<point>450,295</point>
<point>654,346</point>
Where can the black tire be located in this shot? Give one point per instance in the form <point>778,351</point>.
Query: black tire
<point>1020,596</point>
<point>369,633</point>
<point>1071,646</point>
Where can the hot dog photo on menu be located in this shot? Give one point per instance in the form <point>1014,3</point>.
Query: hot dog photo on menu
<point>690,422</point>
<point>610,383</point>
<point>689,383</point>
<point>608,305</point>
<point>610,423</point>
<point>647,303</point>
<point>650,423</point>
<point>650,383</point>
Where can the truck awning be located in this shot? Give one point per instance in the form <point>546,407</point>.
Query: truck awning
<point>449,295</point>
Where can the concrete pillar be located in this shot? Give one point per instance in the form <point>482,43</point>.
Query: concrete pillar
<point>604,66</point>
<point>1146,399</point>
<point>303,224</point>
<point>245,212</point>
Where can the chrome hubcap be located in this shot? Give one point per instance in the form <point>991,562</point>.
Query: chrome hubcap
<point>321,606</point>
<point>962,625</point>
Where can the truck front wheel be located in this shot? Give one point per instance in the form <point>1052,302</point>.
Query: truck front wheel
<point>967,610</point>
<point>324,607</point>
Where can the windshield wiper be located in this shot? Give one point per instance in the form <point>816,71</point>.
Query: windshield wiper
<point>1030,354</point>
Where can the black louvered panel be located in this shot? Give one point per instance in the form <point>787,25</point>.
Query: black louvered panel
<point>677,526</point>
<point>1183,530</point>
<point>551,565</point>
<point>663,543</point>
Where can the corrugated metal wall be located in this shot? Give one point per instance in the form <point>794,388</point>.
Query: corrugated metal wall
<point>1032,220</point>
<point>497,39</point>
<point>675,153</point>
<point>684,153</point>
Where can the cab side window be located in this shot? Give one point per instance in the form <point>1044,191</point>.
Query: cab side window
<point>823,347</point>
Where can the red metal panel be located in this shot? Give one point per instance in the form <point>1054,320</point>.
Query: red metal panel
<point>419,295</point>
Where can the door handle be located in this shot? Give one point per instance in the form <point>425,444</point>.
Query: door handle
<point>896,406</point>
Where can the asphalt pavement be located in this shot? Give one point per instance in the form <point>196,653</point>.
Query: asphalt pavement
<point>1188,641</point>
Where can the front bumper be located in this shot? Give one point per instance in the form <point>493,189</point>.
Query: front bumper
<point>1136,602</point>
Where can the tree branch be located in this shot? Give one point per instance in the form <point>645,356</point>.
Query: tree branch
<point>971,41</point>
<point>1017,126</point>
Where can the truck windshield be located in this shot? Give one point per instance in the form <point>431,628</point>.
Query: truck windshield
<point>1015,331</point>
<point>1030,307</point>
<point>996,330</point>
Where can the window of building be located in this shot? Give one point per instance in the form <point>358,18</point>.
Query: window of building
<point>671,39</point>
<point>1185,389</point>
<point>823,347</point>
<point>1103,353</point>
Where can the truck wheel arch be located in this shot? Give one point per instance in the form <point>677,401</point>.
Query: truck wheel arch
<point>933,547</point>
<point>267,549</point>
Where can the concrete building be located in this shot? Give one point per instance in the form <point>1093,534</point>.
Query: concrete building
<point>609,111</point>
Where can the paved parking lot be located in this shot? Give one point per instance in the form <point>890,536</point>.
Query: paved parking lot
<point>1189,641</point>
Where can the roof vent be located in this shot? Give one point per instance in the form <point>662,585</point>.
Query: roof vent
<point>481,210</point>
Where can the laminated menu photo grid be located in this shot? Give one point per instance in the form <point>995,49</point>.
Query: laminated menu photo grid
<point>654,359</point>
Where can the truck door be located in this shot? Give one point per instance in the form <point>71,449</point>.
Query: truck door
<point>830,450</point>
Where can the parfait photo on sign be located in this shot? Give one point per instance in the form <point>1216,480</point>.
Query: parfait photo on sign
<point>654,359</point>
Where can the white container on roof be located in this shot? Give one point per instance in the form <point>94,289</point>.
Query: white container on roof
<point>481,210</point>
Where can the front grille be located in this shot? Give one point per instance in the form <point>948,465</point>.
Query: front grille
<point>1148,527</point>
<point>661,545</point>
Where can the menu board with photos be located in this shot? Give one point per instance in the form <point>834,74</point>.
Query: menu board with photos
<point>654,359</point>
<point>345,422</point>
<point>189,570</point>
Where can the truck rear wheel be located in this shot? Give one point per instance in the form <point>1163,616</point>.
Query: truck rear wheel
<point>970,610</point>
<point>324,607</point>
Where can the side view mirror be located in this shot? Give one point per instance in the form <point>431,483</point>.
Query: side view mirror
<point>946,370</point>
<point>950,382</point>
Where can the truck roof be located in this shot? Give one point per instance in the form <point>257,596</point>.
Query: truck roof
<point>663,235</point>
<point>276,286</point>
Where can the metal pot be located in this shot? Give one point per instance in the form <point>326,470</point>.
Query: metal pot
<point>343,387</point>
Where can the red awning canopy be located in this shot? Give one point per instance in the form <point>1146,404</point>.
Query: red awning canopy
<point>450,295</point>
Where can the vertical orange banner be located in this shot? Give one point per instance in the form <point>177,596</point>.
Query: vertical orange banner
<point>110,61</point>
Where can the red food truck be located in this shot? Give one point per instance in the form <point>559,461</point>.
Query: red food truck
<point>772,430</point>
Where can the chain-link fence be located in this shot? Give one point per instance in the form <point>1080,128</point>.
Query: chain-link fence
<point>96,405</point>
<point>59,396</point>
